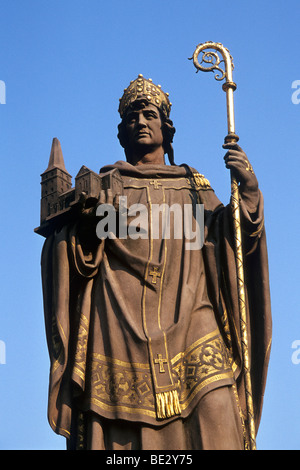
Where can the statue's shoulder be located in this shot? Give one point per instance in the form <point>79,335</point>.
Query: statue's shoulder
<point>200,181</point>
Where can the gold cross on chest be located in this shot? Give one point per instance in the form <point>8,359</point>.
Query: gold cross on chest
<point>156,184</point>
<point>155,274</point>
<point>161,363</point>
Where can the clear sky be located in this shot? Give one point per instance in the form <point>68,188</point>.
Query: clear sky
<point>63,67</point>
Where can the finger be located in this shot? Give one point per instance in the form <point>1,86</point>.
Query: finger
<point>235,165</point>
<point>233,146</point>
<point>241,162</point>
<point>239,165</point>
<point>236,152</point>
<point>239,157</point>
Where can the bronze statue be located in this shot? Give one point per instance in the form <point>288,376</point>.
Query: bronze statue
<point>142,322</point>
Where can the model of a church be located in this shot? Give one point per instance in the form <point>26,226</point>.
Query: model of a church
<point>58,197</point>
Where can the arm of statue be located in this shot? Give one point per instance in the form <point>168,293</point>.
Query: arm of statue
<point>86,249</point>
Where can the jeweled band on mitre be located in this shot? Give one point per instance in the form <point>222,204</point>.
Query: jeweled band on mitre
<point>143,88</point>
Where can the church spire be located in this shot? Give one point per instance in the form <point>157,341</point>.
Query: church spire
<point>56,159</point>
<point>55,181</point>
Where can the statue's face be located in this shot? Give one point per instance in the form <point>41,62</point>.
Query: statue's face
<point>144,126</point>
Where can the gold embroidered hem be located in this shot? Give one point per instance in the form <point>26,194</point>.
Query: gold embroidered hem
<point>124,390</point>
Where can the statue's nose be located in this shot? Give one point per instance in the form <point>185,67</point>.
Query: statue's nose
<point>141,121</point>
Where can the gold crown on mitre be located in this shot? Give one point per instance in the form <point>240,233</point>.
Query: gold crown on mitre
<point>141,88</point>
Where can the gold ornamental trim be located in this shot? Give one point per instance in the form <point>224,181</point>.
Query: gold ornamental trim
<point>118,386</point>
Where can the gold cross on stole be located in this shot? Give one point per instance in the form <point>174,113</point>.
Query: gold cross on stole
<point>161,362</point>
<point>155,274</point>
<point>156,184</point>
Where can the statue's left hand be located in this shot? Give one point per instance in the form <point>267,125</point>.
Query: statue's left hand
<point>87,220</point>
<point>237,161</point>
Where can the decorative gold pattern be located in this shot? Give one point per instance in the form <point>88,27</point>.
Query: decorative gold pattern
<point>203,363</point>
<point>81,348</point>
<point>128,387</point>
<point>141,88</point>
<point>116,383</point>
<point>80,445</point>
<point>200,180</point>
<point>249,166</point>
<point>57,347</point>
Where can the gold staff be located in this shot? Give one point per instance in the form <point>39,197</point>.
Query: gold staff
<point>213,60</point>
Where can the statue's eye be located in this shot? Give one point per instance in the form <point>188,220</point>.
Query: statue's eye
<point>131,118</point>
<point>150,115</point>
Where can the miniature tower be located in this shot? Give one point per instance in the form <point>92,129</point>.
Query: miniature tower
<point>87,181</point>
<point>55,181</point>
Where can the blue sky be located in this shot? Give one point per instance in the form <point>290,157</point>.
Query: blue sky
<point>65,64</point>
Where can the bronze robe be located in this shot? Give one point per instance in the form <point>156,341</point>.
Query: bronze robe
<point>143,333</point>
